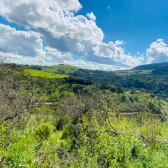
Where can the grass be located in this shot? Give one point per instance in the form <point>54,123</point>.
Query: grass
<point>130,72</point>
<point>65,69</point>
<point>43,74</point>
<point>141,71</point>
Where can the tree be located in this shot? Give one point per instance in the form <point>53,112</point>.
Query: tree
<point>17,104</point>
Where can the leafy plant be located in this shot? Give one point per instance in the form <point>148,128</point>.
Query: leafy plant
<point>43,131</point>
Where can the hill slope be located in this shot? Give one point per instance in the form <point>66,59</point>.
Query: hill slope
<point>152,80</point>
<point>57,69</point>
<point>72,122</point>
<point>150,66</point>
<point>161,71</point>
<point>43,74</point>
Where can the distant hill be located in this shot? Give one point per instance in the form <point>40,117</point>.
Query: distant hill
<point>151,66</point>
<point>152,77</point>
<point>161,71</point>
<point>57,69</point>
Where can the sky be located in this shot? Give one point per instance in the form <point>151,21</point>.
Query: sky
<point>92,34</point>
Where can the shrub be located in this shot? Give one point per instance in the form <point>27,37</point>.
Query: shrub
<point>123,99</point>
<point>65,133</point>
<point>136,99</point>
<point>3,135</point>
<point>120,90</point>
<point>133,91</point>
<point>60,123</point>
<point>43,131</point>
<point>131,99</point>
<point>113,89</point>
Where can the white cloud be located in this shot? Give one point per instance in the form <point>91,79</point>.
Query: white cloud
<point>53,19</point>
<point>112,54</point>
<point>159,40</point>
<point>91,16</point>
<point>94,65</point>
<point>158,52</point>
<point>26,47</point>
<point>28,43</point>
<point>119,42</point>
<point>19,59</point>
<point>108,7</point>
<point>58,56</point>
<point>63,32</point>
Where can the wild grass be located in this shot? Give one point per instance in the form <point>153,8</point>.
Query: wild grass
<point>43,74</point>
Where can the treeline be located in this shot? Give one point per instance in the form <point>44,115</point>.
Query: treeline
<point>155,81</point>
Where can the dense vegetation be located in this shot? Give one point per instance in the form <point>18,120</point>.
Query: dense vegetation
<point>153,81</point>
<point>49,120</point>
<point>151,66</point>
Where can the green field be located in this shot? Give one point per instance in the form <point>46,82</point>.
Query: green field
<point>44,74</point>
<point>61,69</point>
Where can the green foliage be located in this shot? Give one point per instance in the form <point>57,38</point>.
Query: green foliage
<point>150,80</point>
<point>118,142</point>
<point>123,98</point>
<point>154,79</point>
<point>43,74</point>
<point>78,123</point>
<point>3,135</point>
<point>66,132</point>
<point>61,122</point>
<point>43,131</point>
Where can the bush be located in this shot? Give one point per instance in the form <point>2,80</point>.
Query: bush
<point>120,90</point>
<point>60,123</point>
<point>131,99</point>
<point>136,99</point>
<point>113,89</point>
<point>123,99</point>
<point>43,131</point>
<point>65,133</point>
<point>133,91</point>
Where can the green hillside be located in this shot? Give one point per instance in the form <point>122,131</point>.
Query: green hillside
<point>161,71</point>
<point>123,100</point>
<point>43,74</point>
<point>153,81</point>
<point>151,66</point>
<point>54,121</point>
<point>57,69</point>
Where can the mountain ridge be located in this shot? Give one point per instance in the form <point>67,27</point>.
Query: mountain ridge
<point>150,66</point>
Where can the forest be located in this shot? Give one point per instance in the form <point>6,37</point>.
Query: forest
<point>64,116</point>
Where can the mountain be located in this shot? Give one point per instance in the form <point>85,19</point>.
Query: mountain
<point>150,66</point>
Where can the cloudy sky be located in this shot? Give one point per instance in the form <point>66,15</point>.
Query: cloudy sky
<point>94,34</point>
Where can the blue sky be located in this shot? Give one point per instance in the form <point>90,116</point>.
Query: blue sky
<point>94,34</point>
<point>137,23</point>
